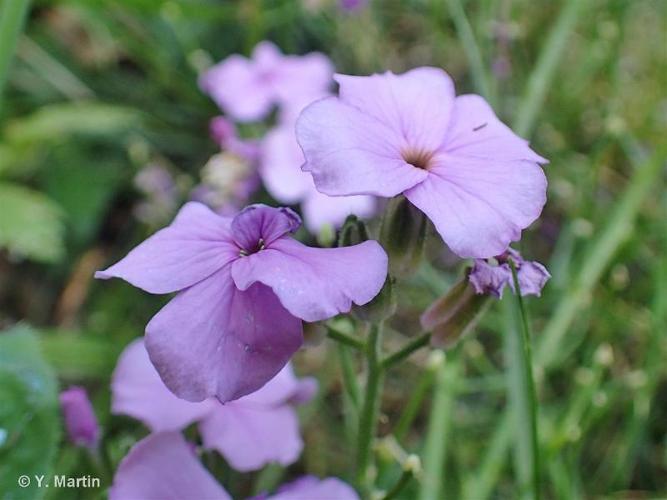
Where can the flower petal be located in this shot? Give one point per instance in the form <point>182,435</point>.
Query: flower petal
<point>416,104</point>
<point>138,391</point>
<point>234,86</point>
<point>164,466</point>
<point>215,340</point>
<point>351,152</point>
<point>476,132</point>
<point>251,436</point>
<point>192,248</point>
<point>281,166</point>
<point>281,389</point>
<point>478,206</point>
<point>312,488</point>
<point>315,283</point>
<point>261,222</point>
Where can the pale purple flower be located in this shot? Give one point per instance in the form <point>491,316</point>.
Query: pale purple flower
<point>247,89</point>
<point>352,5</point>
<point>250,432</point>
<point>224,133</point>
<point>450,156</point>
<point>491,279</point>
<point>160,194</point>
<point>245,285</point>
<point>164,466</point>
<point>80,421</point>
<point>280,170</point>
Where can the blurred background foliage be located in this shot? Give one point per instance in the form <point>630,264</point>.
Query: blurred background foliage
<point>99,89</point>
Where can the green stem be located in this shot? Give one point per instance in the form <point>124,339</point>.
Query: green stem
<point>435,449</point>
<point>344,338</point>
<point>472,51</point>
<point>522,395</point>
<point>12,18</point>
<point>349,377</point>
<point>370,410</point>
<point>406,477</point>
<point>405,351</point>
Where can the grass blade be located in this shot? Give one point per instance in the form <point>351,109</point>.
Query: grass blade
<point>12,18</point>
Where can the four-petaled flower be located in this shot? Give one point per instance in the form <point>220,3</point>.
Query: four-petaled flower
<point>244,286</point>
<point>450,156</point>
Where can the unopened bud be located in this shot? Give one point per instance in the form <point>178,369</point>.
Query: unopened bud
<point>402,235</point>
<point>454,314</point>
<point>353,232</point>
<point>80,420</point>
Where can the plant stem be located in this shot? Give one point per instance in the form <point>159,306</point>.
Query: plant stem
<point>522,395</point>
<point>344,338</point>
<point>12,18</point>
<point>406,477</point>
<point>370,410</point>
<point>438,429</point>
<point>349,377</point>
<point>405,351</point>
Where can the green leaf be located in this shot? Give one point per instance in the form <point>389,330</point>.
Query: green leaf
<point>30,224</point>
<point>29,418</point>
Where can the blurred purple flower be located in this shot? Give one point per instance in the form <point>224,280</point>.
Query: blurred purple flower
<point>224,133</point>
<point>490,279</point>
<point>164,466</point>
<point>160,194</point>
<point>80,420</point>
<point>247,89</point>
<point>352,5</point>
<point>450,156</point>
<point>280,169</point>
<point>245,285</point>
<point>250,432</point>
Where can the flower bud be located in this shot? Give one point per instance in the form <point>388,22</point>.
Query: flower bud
<point>80,420</point>
<point>353,232</point>
<point>383,306</point>
<point>403,234</point>
<point>454,314</point>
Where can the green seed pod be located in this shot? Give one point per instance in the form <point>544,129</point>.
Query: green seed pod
<point>402,235</point>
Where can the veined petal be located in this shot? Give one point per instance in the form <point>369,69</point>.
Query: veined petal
<point>164,466</point>
<point>193,247</point>
<point>215,340</point>
<point>479,206</point>
<point>138,391</point>
<point>252,436</point>
<point>476,132</point>
<point>315,283</point>
<point>416,104</point>
<point>260,222</point>
<point>350,152</point>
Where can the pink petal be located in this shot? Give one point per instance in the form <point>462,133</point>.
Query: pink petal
<point>320,209</point>
<point>416,104</point>
<point>215,340</point>
<point>281,166</point>
<point>138,391</point>
<point>312,488</point>
<point>315,283</point>
<point>192,248</point>
<point>476,132</point>
<point>163,466</point>
<point>479,206</point>
<point>251,436</point>
<point>350,152</point>
<point>234,86</point>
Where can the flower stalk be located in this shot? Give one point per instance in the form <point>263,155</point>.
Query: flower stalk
<point>370,410</point>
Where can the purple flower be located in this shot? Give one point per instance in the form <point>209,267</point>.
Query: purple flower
<point>490,279</point>
<point>250,432</point>
<point>164,466</point>
<point>160,191</point>
<point>80,420</point>
<point>286,182</point>
<point>450,156</point>
<point>247,89</point>
<point>224,133</point>
<point>244,286</point>
<point>352,5</point>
